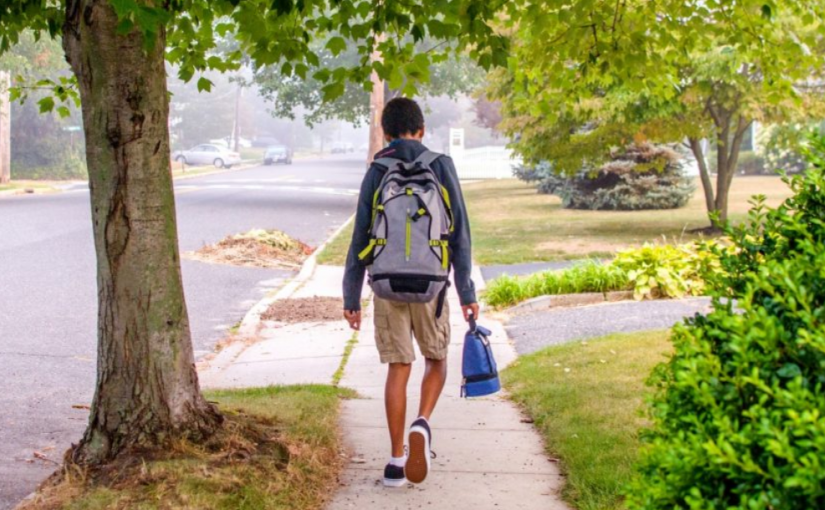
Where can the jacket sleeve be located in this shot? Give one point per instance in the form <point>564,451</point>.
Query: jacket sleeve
<point>354,270</point>
<point>460,240</point>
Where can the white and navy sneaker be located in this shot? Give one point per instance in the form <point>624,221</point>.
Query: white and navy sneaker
<point>394,476</point>
<point>418,463</point>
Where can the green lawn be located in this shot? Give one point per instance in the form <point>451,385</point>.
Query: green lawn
<point>511,223</point>
<point>335,253</point>
<point>278,449</point>
<point>585,399</point>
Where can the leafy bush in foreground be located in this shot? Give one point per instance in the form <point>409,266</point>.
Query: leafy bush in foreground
<point>739,411</point>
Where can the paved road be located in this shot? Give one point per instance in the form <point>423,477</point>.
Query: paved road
<point>492,272</point>
<point>536,330</point>
<point>48,291</point>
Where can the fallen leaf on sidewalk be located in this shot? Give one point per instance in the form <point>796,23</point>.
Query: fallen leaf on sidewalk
<point>358,460</point>
<point>81,406</point>
<point>527,420</point>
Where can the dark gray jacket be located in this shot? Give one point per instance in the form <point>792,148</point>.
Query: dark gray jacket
<point>462,258</point>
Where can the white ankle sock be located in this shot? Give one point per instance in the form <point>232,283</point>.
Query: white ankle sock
<point>398,461</point>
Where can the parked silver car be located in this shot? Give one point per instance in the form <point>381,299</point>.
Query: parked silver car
<point>208,154</point>
<point>277,154</point>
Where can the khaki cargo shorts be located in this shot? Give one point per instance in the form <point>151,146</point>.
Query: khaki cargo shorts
<point>396,323</point>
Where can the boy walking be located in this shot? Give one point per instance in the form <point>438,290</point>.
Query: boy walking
<point>410,228</point>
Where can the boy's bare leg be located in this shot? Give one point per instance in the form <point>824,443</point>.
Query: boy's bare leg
<point>435,375</point>
<point>395,403</point>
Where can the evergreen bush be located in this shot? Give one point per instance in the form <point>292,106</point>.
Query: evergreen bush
<point>642,176</point>
<point>738,414</point>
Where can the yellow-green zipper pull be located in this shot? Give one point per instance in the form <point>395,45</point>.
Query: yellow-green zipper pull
<point>408,245</point>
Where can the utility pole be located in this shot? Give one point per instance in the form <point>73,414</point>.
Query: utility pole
<point>236,132</point>
<point>5,128</point>
<point>376,142</point>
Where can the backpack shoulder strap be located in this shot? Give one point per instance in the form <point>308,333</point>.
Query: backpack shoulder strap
<point>427,157</point>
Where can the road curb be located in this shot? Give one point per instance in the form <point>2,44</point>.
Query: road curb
<point>251,323</point>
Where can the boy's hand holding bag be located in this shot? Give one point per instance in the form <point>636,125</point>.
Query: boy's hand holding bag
<point>478,366</point>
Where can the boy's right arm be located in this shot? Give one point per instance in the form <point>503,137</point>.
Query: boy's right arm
<point>355,269</point>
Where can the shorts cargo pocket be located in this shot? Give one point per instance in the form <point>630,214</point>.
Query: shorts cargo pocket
<point>382,332</point>
<point>443,329</point>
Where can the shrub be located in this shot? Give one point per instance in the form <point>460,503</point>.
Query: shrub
<point>590,276</point>
<point>738,417</point>
<point>652,271</point>
<point>781,146</point>
<point>641,177</point>
<point>665,271</point>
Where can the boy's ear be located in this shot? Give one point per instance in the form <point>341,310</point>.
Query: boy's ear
<point>387,138</point>
<point>420,135</point>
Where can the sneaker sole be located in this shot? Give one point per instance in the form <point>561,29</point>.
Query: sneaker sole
<point>391,482</point>
<point>418,463</point>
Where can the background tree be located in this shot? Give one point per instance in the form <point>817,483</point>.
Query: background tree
<point>598,74</point>
<point>147,386</point>
<point>289,93</point>
<point>42,146</point>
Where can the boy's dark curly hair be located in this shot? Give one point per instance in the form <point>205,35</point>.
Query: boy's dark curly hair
<point>402,116</point>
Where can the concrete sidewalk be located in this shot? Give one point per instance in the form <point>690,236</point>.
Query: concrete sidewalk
<point>303,353</point>
<point>487,456</point>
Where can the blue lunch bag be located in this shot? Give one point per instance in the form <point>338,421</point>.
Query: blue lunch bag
<point>478,366</point>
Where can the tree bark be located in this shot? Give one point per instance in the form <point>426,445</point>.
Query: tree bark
<point>147,387</point>
<point>728,162</point>
<point>5,128</point>
<point>704,173</point>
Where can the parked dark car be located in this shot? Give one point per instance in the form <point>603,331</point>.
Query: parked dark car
<point>277,154</point>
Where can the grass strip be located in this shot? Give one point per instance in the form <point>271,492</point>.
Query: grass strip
<point>591,276</point>
<point>278,449</point>
<point>512,223</point>
<point>339,374</point>
<point>335,252</point>
<point>32,185</point>
<point>585,400</point>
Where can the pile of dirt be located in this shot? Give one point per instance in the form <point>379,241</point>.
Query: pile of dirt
<point>256,248</point>
<point>313,309</point>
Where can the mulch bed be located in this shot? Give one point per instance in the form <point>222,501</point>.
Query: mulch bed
<point>312,309</point>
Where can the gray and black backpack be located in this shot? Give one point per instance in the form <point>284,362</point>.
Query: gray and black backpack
<point>408,256</point>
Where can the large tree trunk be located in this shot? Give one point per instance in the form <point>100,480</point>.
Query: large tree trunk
<point>147,386</point>
<point>5,128</point>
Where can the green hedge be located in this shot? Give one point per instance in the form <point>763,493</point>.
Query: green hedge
<point>738,417</point>
<point>652,271</point>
